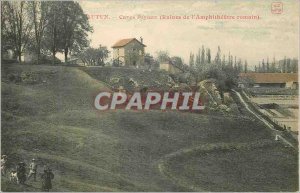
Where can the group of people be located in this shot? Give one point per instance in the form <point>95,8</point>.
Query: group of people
<point>21,171</point>
<point>19,174</point>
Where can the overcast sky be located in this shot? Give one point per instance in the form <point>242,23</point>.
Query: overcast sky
<point>272,35</point>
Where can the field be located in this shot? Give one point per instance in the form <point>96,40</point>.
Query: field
<point>47,113</point>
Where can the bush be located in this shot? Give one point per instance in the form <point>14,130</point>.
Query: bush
<point>117,63</point>
<point>28,77</point>
<point>14,78</point>
<point>47,60</point>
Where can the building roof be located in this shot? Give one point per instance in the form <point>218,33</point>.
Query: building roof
<point>271,77</point>
<point>124,42</point>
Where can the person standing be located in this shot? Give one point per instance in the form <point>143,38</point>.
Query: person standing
<point>21,172</point>
<point>3,164</point>
<point>47,176</point>
<point>32,170</point>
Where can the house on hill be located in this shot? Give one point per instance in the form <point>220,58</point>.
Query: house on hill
<point>129,52</point>
<point>269,80</point>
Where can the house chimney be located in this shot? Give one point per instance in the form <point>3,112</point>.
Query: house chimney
<point>141,39</point>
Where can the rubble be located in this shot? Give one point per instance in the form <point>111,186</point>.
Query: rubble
<point>222,107</point>
<point>135,83</point>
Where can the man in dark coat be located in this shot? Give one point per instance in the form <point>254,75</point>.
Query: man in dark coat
<point>47,176</point>
<point>21,172</point>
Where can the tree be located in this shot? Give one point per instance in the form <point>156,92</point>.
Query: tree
<point>102,55</point>
<point>263,66</point>
<point>95,57</point>
<point>203,56</point>
<point>229,59</point>
<point>208,56</point>
<point>196,73</point>
<point>53,32</point>
<point>246,67</point>
<point>198,59</point>
<point>284,65</point>
<point>226,78</point>
<point>288,65</point>
<point>149,61</point>
<point>273,67</point>
<point>192,62</point>
<point>75,28</point>
<point>17,26</point>
<point>268,65</point>
<point>294,64</point>
<point>239,65</point>
<point>223,61</point>
<point>218,56</point>
<point>88,56</point>
<point>39,13</point>
<point>7,40</point>
<point>235,64</point>
<point>163,56</point>
<point>177,61</point>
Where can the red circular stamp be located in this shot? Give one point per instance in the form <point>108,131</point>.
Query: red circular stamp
<point>277,7</point>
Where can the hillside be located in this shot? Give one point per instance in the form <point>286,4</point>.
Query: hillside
<point>47,113</point>
<point>131,79</point>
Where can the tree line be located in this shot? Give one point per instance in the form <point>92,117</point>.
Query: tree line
<point>286,65</point>
<point>94,56</point>
<point>223,68</point>
<point>43,27</point>
<point>203,58</point>
<point>202,65</point>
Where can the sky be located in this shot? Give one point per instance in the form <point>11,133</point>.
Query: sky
<point>249,39</point>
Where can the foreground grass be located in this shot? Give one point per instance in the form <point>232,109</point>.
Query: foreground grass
<point>234,167</point>
<point>54,121</point>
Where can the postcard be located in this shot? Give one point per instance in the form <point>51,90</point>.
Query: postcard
<point>149,96</point>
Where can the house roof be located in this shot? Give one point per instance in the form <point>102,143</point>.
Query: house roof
<point>271,77</point>
<point>124,42</point>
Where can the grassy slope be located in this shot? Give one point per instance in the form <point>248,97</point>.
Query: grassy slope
<point>239,167</point>
<point>144,78</point>
<point>55,122</point>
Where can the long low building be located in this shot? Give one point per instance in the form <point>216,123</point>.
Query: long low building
<point>277,80</point>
